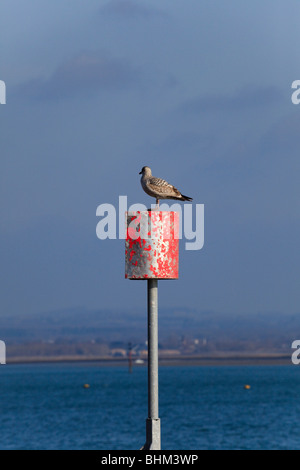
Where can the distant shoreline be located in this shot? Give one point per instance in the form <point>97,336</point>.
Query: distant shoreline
<point>220,360</point>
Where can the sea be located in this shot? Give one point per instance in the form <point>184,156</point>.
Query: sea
<point>88,406</point>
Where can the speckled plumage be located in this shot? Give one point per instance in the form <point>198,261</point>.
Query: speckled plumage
<point>159,188</point>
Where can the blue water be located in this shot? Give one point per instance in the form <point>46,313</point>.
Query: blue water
<point>47,407</point>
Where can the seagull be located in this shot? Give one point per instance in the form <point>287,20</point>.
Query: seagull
<point>159,188</point>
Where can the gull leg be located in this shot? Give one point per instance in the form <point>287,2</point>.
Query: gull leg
<point>157,204</point>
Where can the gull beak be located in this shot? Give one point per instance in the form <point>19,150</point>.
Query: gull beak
<point>140,172</point>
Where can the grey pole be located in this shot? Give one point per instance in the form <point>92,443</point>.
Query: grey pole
<point>153,421</point>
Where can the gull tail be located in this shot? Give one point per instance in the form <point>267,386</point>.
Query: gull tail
<point>186,198</point>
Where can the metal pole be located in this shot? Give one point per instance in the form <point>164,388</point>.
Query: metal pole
<point>153,421</point>
<point>152,349</point>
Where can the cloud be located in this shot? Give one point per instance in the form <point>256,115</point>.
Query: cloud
<point>129,9</point>
<point>84,74</point>
<point>245,98</point>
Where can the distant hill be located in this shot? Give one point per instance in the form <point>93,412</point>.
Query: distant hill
<point>177,327</point>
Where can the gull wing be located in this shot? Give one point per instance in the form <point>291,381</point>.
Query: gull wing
<point>162,187</point>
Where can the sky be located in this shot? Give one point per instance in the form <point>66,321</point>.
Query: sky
<point>200,91</point>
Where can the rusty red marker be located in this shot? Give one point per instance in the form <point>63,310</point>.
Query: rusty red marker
<point>152,245</point>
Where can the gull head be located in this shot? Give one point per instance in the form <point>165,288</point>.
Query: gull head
<point>146,171</point>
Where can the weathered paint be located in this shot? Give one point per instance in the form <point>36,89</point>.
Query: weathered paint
<point>152,245</point>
